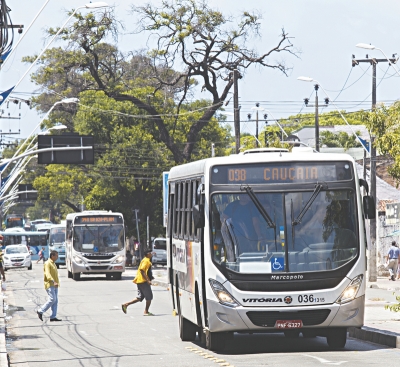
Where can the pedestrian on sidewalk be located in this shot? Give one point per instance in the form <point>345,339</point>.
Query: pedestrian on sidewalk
<point>143,283</point>
<point>51,284</point>
<point>392,259</point>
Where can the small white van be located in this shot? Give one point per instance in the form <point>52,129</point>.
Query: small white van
<point>159,248</point>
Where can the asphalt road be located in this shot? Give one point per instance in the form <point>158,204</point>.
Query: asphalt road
<point>95,332</point>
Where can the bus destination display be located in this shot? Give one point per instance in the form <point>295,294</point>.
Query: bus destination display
<point>293,172</point>
<point>106,219</point>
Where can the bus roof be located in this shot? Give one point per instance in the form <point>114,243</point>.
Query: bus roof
<point>71,216</point>
<point>200,167</point>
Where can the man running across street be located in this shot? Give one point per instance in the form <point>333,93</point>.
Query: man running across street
<point>51,284</point>
<point>393,258</point>
<point>143,283</point>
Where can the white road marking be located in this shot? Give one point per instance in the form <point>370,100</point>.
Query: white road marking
<point>154,329</point>
<point>325,361</point>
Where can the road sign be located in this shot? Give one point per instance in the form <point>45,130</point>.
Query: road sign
<point>84,156</point>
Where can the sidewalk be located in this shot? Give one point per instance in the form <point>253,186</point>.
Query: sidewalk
<point>3,350</point>
<point>380,326</point>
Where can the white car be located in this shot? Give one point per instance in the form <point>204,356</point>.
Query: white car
<point>17,256</point>
<point>159,248</point>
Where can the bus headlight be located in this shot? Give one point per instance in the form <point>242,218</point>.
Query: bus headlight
<point>78,260</point>
<point>351,290</point>
<point>222,294</point>
<point>119,259</point>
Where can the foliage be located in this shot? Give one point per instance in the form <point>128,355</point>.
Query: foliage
<point>191,36</point>
<point>395,307</point>
<point>384,124</point>
<point>340,139</point>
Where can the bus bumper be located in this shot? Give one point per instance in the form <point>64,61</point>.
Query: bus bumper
<point>259,319</point>
<point>97,269</point>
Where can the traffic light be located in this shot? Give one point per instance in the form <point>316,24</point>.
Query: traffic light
<point>65,155</point>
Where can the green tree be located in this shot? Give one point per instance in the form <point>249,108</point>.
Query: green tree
<point>383,122</point>
<point>196,45</point>
<point>339,140</point>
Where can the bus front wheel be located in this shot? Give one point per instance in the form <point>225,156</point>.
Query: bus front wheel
<point>337,338</point>
<point>187,329</point>
<point>76,276</point>
<point>215,341</point>
<point>69,274</point>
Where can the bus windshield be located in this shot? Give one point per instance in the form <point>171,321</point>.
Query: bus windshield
<point>313,231</point>
<point>57,236</point>
<point>98,239</point>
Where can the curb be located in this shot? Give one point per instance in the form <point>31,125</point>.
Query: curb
<point>376,336</point>
<point>3,349</point>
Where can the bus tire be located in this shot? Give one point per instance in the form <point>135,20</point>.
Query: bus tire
<point>187,330</point>
<point>117,276</point>
<point>76,276</point>
<point>69,274</point>
<point>337,338</point>
<point>30,267</point>
<point>215,341</point>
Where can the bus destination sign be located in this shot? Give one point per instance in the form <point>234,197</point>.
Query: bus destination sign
<point>285,172</point>
<point>98,219</point>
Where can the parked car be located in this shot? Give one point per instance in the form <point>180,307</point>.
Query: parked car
<point>159,247</point>
<point>17,256</point>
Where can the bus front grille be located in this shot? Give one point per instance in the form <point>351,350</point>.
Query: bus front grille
<point>269,318</point>
<point>99,267</point>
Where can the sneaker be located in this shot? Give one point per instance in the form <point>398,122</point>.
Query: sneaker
<point>123,308</point>
<point>40,315</point>
<point>393,278</point>
<point>55,319</point>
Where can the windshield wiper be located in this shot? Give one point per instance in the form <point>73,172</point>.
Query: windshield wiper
<point>317,190</point>
<point>258,205</point>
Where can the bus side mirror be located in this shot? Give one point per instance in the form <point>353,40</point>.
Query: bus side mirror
<point>369,207</point>
<point>198,216</point>
<point>364,184</point>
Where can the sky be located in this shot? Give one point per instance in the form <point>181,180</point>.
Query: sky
<point>324,34</point>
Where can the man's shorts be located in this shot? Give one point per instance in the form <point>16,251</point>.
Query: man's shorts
<point>1,264</point>
<point>144,292</point>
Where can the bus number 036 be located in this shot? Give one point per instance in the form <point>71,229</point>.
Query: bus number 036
<point>309,299</point>
<point>237,174</point>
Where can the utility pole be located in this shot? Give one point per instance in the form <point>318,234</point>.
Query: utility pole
<point>372,264</point>
<point>138,235</point>
<point>316,105</point>
<point>316,86</point>
<point>236,110</point>
<point>148,232</point>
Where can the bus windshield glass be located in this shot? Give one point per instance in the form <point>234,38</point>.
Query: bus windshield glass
<point>98,239</point>
<point>57,236</point>
<point>312,231</point>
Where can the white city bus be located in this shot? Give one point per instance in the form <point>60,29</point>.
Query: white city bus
<point>95,244</point>
<point>272,241</point>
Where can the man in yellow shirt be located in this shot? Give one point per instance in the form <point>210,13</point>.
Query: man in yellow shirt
<point>51,285</point>
<point>143,283</point>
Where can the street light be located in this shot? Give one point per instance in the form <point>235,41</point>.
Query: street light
<point>66,100</point>
<point>55,127</point>
<point>372,47</point>
<point>308,79</point>
<point>99,4</point>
